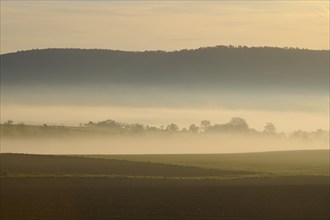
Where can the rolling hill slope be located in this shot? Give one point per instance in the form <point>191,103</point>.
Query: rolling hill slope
<point>204,67</point>
<point>63,165</point>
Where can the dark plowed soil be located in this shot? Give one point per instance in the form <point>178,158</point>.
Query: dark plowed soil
<point>42,164</point>
<point>111,198</point>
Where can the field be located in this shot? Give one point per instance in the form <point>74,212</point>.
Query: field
<point>303,162</point>
<point>75,187</point>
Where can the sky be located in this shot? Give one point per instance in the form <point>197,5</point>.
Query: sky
<point>162,25</point>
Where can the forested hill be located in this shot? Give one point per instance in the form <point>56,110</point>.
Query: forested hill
<point>219,66</point>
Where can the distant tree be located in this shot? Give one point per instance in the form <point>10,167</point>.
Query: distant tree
<point>136,127</point>
<point>238,123</point>
<point>300,134</point>
<point>172,127</point>
<point>152,128</point>
<point>193,128</point>
<point>269,128</point>
<point>90,124</point>
<point>110,123</point>
<point>9,122</point>
<point>21,125</point>
<point>319,133</point>
<point>205,124</point>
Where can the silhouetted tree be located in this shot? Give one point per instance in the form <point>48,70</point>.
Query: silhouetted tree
<point>239,123</point>
<point>236,124</point>
<point>193,128</point>
<point>205,124</point>
<point>9,122</point>
<point>269,128</point>
<point>90,124</point>
<point>152,128</point>
<point>172,127</point>
<point>136,127</point>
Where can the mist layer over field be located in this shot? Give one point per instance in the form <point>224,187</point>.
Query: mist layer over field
<point>156,144</point>
<point>155,116</point>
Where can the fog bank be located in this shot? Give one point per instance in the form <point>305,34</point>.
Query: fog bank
<point>285,121</point>
<point>158,144</point>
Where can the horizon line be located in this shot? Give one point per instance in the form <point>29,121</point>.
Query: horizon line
<point>166,51</point>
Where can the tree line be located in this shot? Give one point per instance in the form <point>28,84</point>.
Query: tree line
<point>235,125</point>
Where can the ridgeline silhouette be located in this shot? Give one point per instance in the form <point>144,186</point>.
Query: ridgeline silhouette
<point>211,67</point>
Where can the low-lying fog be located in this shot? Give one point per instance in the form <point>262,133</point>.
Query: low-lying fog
<point>289,111</point>
<point>285,121</point>
<point>159,144</point>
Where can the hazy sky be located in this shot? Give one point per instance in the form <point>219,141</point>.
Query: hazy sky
<point>152,25</point>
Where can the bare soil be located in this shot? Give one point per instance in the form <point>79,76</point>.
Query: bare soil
<point>120,198</point>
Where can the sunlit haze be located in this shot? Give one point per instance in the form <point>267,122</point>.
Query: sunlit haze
<point>162,25</point>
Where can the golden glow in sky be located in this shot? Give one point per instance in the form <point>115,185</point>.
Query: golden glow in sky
<point>161,25</point>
